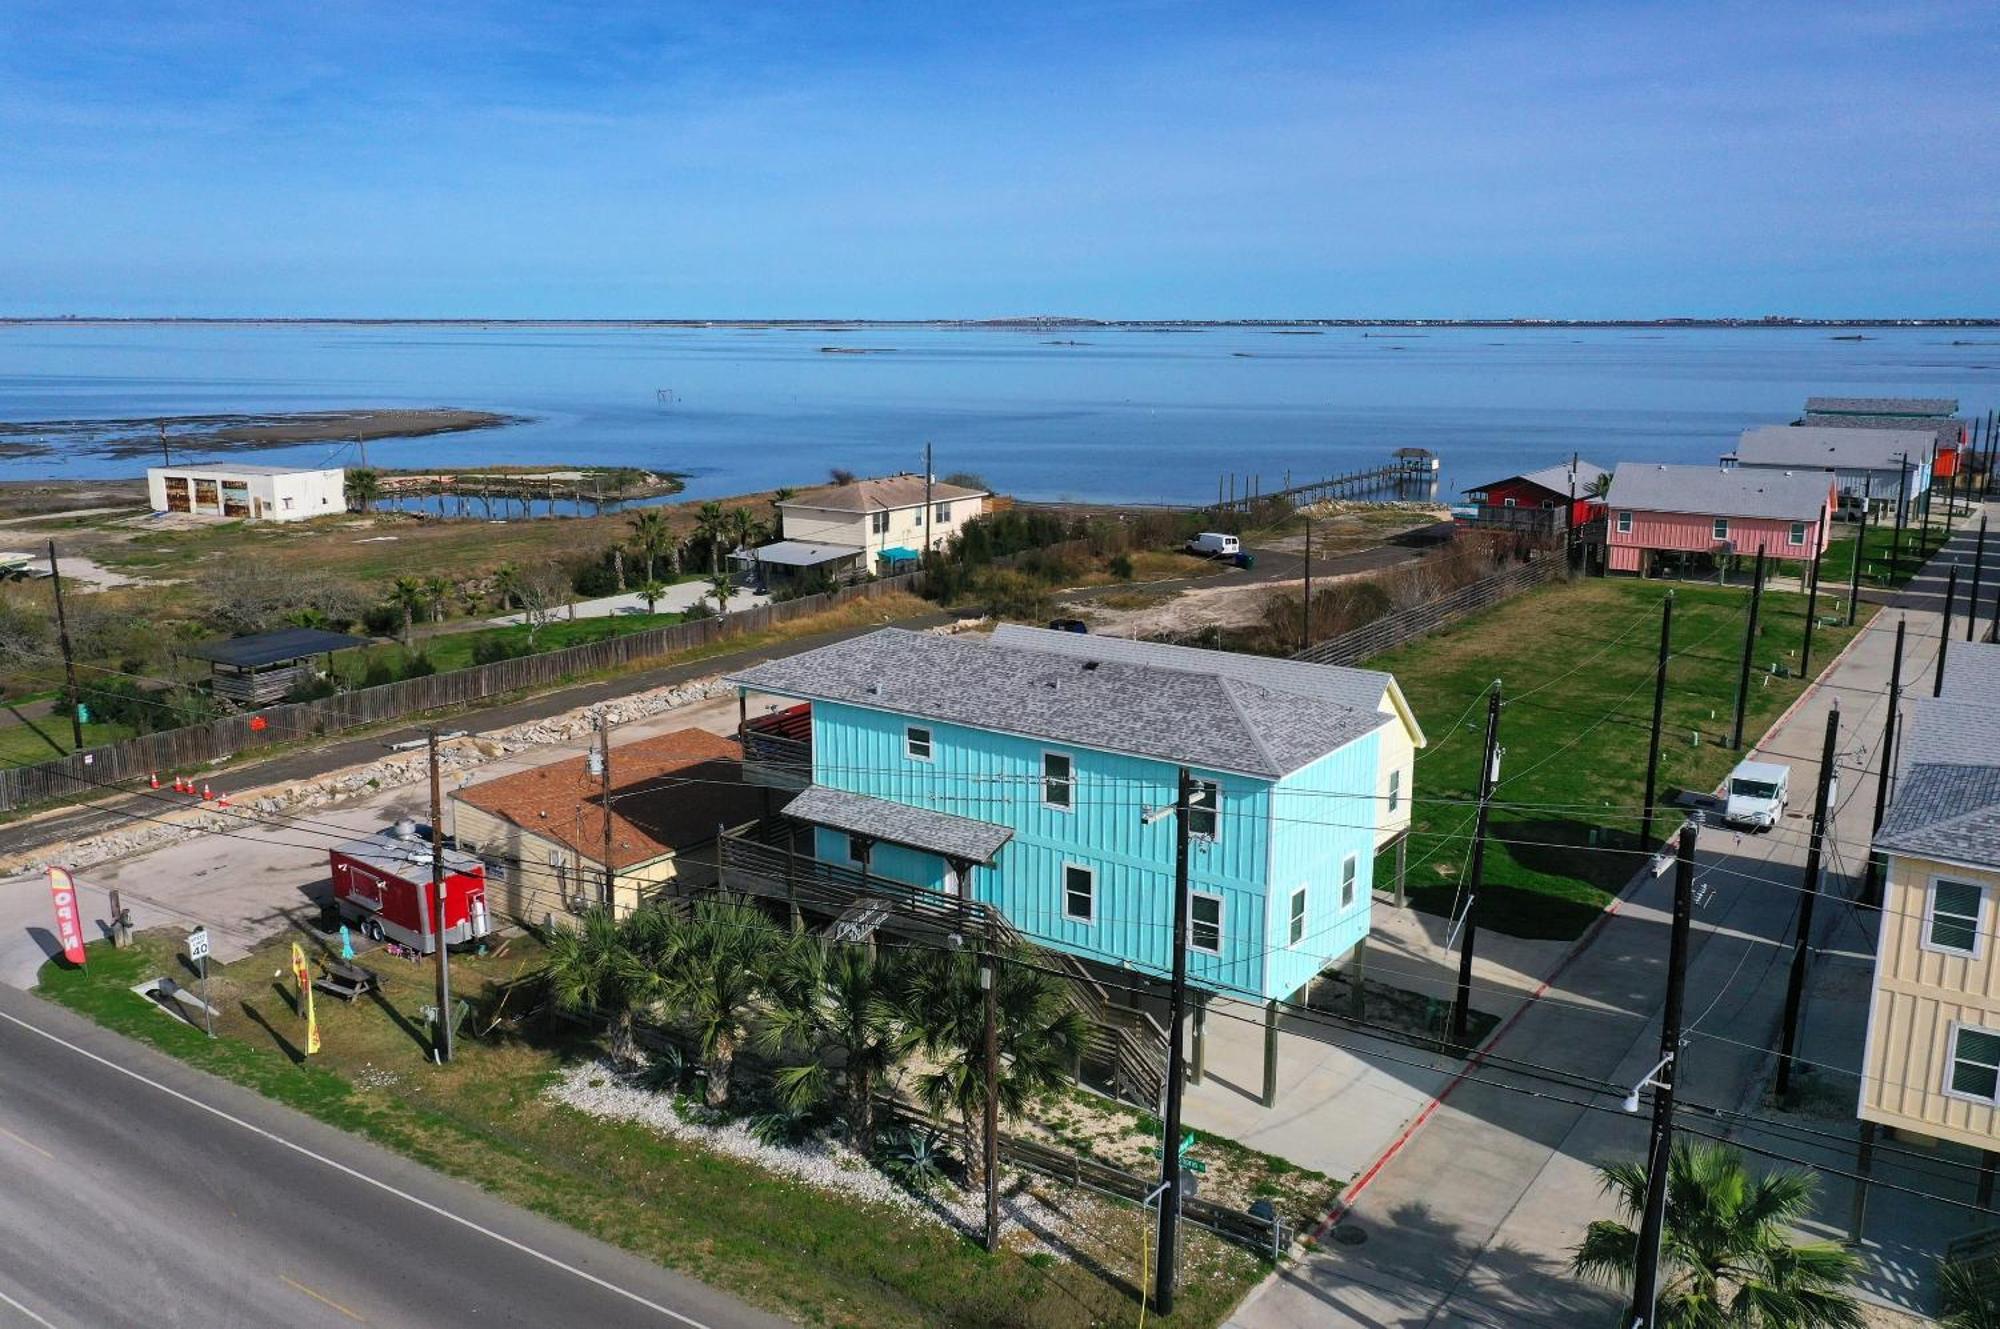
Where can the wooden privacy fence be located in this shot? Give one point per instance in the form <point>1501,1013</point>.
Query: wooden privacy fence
<point>1392,630</point>
<point>197,745</point>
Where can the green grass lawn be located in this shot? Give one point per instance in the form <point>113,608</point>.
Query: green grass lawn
<point>453,650</point>
<point>38,738</point>
<point>1576,665</point>
<point>1837,565</point>
<point>817,1256</point>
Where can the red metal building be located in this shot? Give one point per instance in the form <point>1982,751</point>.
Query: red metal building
<point>383,885</point>
<point>1546,491</point>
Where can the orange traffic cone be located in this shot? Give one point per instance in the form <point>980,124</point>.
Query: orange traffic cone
<point>205,794</point>
<point>154,779</point>
<point>222,800</point>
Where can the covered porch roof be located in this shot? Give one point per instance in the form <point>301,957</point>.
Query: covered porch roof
<point>960,838</point>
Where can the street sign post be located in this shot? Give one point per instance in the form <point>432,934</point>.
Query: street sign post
<point>197,943</point>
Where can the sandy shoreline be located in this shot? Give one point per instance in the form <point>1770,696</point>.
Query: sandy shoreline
<point>235,432</point>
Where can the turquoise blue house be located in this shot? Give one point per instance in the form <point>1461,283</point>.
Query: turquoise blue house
<point>1016,771</point>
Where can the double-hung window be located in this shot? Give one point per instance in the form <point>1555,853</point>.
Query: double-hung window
<point>944,512</point>
<point>1079,894</point>
<point>1952,921</point>
<point>1297,932</point>
<point>1722,528</point>
<point>1975,1062</point>
<point>878,522</point>
<point>1350,870</point>
<point>917,743</point>
<point>1624,523</point>
<point>1205,918</point>
<point>1395,790</point>
<point>1204,814</point>
<point>1058,781</point>
<point>1798,533</point>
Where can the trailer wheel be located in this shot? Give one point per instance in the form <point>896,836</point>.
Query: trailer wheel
<point>372,929</point>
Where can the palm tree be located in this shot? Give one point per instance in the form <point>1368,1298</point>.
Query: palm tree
<point>650,592</point>
<point>714,975</point>
<point>711,526</point>
<point>743,527</point>
<point>363,486</point>
<point>834,1003</point>
<point>407,594</point>
<point>1040,1037</point>
<point>651,536</point>
<point>507,584</point>
<point>437,588</point>
<point>612,967</point>
<point>618,565</point>
<point>1968,1293</point>
<point>1726,1256</point>
<point>1599,486</point>
<point>781,495</point>
<point>721,588</point>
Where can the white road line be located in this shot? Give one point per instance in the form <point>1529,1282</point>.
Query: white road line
<point>355,1173</point>
<point>25,1311</point>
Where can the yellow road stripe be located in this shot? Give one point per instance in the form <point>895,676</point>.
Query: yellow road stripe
<point>322,1300</point>
<point>27,1144</point>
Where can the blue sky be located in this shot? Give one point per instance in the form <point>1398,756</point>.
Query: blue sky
<point>923,160</point>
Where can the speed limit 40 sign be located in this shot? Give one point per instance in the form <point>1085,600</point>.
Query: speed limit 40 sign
<point>198,944</point>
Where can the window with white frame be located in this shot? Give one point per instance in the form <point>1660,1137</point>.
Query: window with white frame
<point>1350,870</point>
<point>1395,789</point>
<point>1624,523</point>
<point>1975,1062</point>
<point>1205,923</point>
<point>1058,780</point>
<point>1079,893</point>
<point>1203,814</point>
<point>1798,533</point>
<point>1722,528</point>
<point>1297,931</point>
<point>944,512</point>
<point>1507,503</point>
<point>1951,923</point>
<point>917,743</point>
<point>878,522</point>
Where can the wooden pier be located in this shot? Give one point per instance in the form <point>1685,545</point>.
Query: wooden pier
<point>1400,477</point>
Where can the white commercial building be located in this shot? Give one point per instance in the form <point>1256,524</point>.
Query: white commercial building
<point>250,493</point>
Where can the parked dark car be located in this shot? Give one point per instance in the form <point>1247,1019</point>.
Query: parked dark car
<point>1068,625</point>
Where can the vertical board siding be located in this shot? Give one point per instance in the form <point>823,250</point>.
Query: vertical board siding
<point>1318,820</point>
<point>1690,532</point>
<point>997,778</point>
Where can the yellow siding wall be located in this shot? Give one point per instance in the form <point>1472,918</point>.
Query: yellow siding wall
<point>1398,753</point>
<point>539,871</point>
<point>906,526</point>
<point>1919,995</point>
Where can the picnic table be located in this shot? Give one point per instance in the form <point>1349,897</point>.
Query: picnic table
<point>346,981</point>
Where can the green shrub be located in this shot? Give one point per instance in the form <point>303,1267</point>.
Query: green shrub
<point>1121,566</point>
<point>490,647</point>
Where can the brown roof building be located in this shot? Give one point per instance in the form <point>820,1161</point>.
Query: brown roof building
<point>541,831</point>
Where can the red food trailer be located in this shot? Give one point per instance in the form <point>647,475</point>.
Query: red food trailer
<point>383,885</point>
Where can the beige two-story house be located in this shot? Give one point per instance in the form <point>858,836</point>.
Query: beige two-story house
<point>1931,1064</point>
<point>889,521</point>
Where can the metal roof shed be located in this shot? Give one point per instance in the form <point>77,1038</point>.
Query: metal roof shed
<point>264,666</point>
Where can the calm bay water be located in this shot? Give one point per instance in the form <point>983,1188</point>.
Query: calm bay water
<point>1126,414</point>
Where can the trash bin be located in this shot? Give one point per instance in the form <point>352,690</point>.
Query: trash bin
<point>1246,559</point>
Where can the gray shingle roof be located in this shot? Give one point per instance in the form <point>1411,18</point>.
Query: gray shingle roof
<point>1946,431</point>
<point>1364,689</point>
<point>1199,719</point>
<point>1831,448</point>
<point>1710,490</point>
<point>899,823</point>
<point>1972,674</point>
<point>1947,802</point>
<point>1881,405</point>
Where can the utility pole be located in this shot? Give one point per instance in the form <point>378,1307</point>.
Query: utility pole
<point>1812,617</point>
<point>1659,711</point>
<point>1860,548</point>
<point>1569,516</point>
<point>1978,575</point>
<point>1944,635</point>
<point>1871,892</point>
<point>989,1000</point>
<point>1170,1157</point>
<point>1795,988</point>
<point>69,657</point>
<point>1489,775</point>
<point>1653,1222</point>
<point>442,1045</point>
<point>166,457</point>
<point>1749,645</point>
<point>1902,504</point>
<point>1307,632</point>
<point>604,796</point>
<point>927,499</point>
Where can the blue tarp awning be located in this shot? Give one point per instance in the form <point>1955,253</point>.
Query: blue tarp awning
<point>899,554</point>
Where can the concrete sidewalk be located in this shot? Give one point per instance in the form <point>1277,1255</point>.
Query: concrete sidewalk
<point>677,598</point>
<point>1469,1218</point>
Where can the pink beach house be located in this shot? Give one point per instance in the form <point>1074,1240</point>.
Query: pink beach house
<point>1677,514</point>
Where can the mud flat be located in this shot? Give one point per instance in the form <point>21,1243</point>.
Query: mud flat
<point>140,437</point>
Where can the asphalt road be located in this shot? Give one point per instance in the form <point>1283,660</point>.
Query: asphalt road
<point>138,1192</point>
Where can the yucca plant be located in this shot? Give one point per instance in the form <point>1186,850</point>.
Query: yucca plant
<point>914,1159</point>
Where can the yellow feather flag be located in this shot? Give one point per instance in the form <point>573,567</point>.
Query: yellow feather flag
<point>304,977</point>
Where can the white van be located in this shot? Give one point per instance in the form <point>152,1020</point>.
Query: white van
<point>1756,794</point>
<point>1214,544</point>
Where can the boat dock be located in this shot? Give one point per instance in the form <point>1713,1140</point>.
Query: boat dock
<point>1409,473</point>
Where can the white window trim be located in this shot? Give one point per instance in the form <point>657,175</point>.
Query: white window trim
<point>1719,528</point>
<point>1089,871</point>
<point>1951,1062</point>
<point>1213,808</point>
<point>1508,503</point>
<point>1625,523</point>
<point>910,746</point>
<point>1345,901</point>
<point>1395,790</point>
<point>1069,784</point>
<point>1924,941</point>
<point>1298,912</point>
<point>1221,922</point>
<point>1796,534</point>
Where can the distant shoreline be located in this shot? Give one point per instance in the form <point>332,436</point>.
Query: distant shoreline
<point>1004,324</point>
<point>139,436</point>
